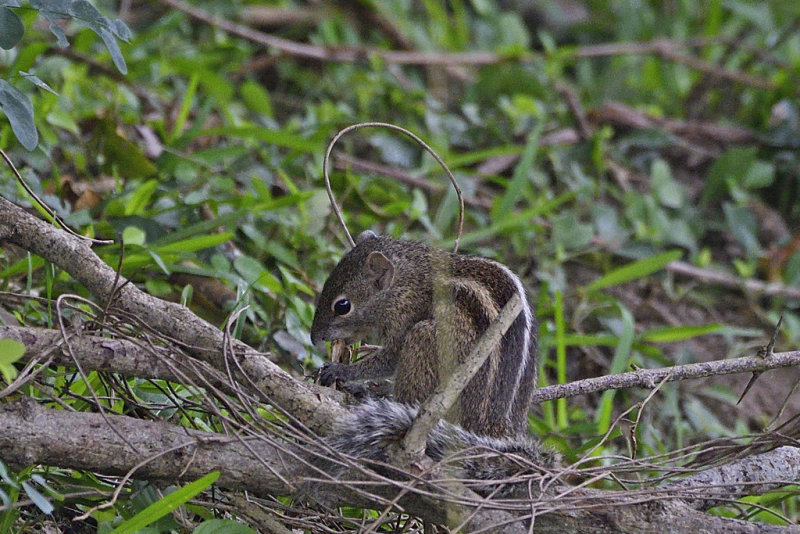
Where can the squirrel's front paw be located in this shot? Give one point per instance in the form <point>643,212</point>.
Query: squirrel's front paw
<point>330,373</point>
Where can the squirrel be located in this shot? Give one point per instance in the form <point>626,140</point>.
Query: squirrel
<point>427,308</point>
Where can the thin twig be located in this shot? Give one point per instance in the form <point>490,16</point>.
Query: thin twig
<point>648,378</point>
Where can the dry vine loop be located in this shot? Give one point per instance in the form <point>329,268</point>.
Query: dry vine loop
<point>419,141</point>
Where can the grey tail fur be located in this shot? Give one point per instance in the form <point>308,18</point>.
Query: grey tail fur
<point>374,427</point>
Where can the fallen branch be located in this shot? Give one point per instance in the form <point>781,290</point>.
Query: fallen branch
<point>748,476</point>
<point>706,132</point>
<point>263,467</point>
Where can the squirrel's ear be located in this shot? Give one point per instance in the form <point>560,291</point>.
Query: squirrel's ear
<point>380,270</point>
<point>366,234</point>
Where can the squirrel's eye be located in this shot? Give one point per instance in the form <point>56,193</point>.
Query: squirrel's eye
<point>341,307</point>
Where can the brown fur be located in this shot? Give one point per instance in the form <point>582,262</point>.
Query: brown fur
<point>427,308</point>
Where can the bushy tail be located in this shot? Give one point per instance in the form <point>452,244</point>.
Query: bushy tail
<point>374,427</point>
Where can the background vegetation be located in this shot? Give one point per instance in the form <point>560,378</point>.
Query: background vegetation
<point>586,135</point>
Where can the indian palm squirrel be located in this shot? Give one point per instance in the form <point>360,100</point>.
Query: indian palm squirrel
<point>427,308</point>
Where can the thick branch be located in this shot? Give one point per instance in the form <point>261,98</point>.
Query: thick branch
<point>753,475</point>
<point>97,353</point>
<point>317,407</point>
<point>32,434</point>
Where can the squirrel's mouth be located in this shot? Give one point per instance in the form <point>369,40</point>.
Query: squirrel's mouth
<point>348,333</point>
<point>319,340</point>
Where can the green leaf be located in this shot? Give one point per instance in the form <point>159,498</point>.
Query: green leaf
<point>507,224</point>
<point>635,270</point>
<point>667,191</point>
<point>570,233</point>
<point>88,15</point>
<point>11,350</point>
<point>132,235</point>
<point>36,81</point>
<point>19,110</point>
<point>759,174</point>
<point>618,364</point>
<point>760,14</point>
<point>742,224</point>
<point>561,357</point>
<point>62,118</point>
<point>520,176</point>
<point>38,499</point>
<point>140,198</point>
<point>186,107</point>
<point>5,477</point>
<point>273,137</point>
<point>195,243</point>
<point>255,274</point>
<point>470,158</point>
<point>728,168</point>
<point>26,264</point>
<point>578,340</point>
<point>11,29</point>
<point>222,526</point>
<point>121,153</point>
<point>162,507</point>
<point>791,274</point>
<point>53,11</point>
<point>678,333</point>
<point>256,97</point>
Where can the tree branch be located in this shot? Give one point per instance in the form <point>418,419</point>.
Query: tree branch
<point>33,434</point>
<point>317,407</point>
<point>753,475</point>
<point>649,378</point>
<point>98,353</point>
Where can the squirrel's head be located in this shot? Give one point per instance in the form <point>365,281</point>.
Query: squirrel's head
<point>356,294</point>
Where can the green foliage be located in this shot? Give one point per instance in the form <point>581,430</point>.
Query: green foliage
<point>635,270</point>
<point>10,351</point>
<point>15,104</point>
<point>167,504</point>
<point>222,526</point>
<point>205,159</point>
<point>27,482</point>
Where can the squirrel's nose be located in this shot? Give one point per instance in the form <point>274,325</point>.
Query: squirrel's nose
<point>318,341</point>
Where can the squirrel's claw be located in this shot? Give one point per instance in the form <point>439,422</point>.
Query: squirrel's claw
<point>329,373</point>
